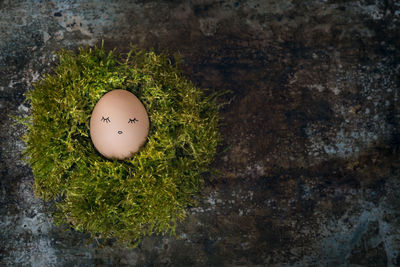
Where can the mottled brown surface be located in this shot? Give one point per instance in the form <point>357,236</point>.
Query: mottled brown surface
<point>311,173</point>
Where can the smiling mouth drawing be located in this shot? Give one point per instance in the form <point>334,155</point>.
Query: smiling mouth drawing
<point>119,132</point>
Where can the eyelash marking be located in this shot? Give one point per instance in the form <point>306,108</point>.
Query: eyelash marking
<point>134,120</point>
<point>107,120</point>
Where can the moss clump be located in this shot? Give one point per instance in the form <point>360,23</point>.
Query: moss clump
<point>128,199</point>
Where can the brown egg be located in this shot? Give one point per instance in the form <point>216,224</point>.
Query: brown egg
<point>119,124</point>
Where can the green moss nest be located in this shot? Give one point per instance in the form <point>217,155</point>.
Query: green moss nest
<point>127,200</point>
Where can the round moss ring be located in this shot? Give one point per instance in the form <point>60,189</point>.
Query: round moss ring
<point>145,194</point>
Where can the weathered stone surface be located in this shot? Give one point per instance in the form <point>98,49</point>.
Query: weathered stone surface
<point>311,176</point>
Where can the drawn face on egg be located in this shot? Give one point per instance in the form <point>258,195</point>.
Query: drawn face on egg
<point>119,125</point>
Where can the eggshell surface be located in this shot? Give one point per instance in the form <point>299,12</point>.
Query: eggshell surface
<point>119,124</point>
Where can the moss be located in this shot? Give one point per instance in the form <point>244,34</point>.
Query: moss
<point>127,199</point>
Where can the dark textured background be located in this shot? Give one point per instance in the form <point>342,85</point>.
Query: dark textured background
<point>312,174</point>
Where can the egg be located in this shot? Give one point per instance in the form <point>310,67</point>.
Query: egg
<point>119,125</point>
